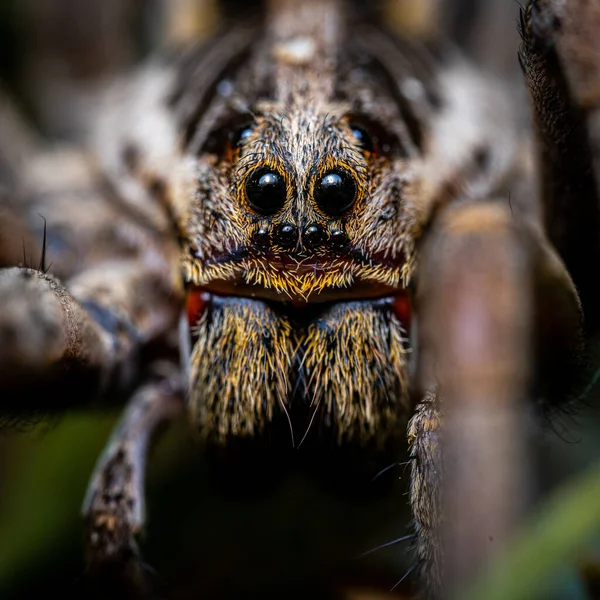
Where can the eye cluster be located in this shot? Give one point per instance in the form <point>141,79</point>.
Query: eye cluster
<point>334,191</point>
<point>288,236</point>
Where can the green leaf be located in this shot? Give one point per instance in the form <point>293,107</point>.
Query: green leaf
<point>558,534</point>
<point>45,482</point>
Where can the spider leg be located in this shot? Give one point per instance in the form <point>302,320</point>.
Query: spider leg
<point>59,346</point>
<point>79,332</point>
<point>44,332</point>
<point>496,318</point>
<point>560,62</point>
<point>114,504</point>
<point>424,430</point>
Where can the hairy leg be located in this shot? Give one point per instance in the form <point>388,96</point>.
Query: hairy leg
<point>81,332</point>
<point>424,438</point>
<point>61,349</point>
<point>488,286</point>
<point>561,66</point>
<point>114,504</point>
<point>45,333</point>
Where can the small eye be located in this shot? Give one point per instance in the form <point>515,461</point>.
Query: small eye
<point>363,138</point>
<point>335,193</point>
<point>266,191</point>
<point>238,136</point>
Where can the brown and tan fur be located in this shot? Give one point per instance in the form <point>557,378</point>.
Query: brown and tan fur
<point>301,118</point>
<point>291,326</point>
<point>446,135</point>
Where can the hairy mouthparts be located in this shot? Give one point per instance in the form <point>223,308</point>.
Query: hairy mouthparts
<point>343,360</point>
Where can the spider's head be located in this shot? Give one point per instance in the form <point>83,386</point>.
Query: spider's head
<point>303,215</point>
<point>303,175</point>
<point>303,160</point>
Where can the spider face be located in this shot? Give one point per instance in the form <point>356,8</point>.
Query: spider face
<point>284,246</point>
<point>301,203</point>
<point>303,221</point>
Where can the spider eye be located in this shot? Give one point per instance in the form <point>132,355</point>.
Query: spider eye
<point>363,138</point>
<point>335,193</point>
<point>266,191</point>
<point>238,136</point>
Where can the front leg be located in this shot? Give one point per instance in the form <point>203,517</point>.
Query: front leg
<point>497,322</point>
<point>46,336</point>
<point>561,65</point>
<point>79,333</point>
<point>424,438</point>
<point>62,346</point>
<point>114,504</point>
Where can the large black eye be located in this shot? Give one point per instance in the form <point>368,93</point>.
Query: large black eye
<point>266,191</point>
<point>335,192</point>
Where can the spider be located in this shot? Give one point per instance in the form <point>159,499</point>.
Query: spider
<point>312,223</point>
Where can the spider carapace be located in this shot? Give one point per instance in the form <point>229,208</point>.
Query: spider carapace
<point>315,203</point>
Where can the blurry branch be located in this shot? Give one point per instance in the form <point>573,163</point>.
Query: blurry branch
<point>82,39</point>
<point>75,48</point>
<point>557,535</point>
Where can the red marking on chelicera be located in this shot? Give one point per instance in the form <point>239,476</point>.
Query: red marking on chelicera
<point>195,305</point>
<point>402,309</point>
<point>198,299</point>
